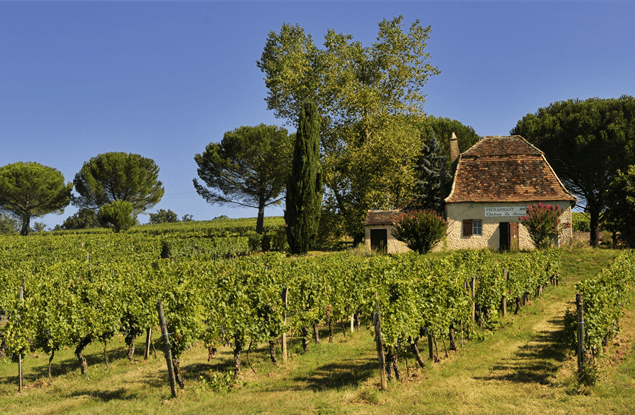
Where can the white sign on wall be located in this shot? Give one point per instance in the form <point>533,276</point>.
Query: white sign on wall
<point>498,212</point>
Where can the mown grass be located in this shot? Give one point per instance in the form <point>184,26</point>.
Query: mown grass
<point>520,368</point>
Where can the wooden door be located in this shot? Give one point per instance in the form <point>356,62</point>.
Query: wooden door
<point>504,231</point>
<point>379,239</point>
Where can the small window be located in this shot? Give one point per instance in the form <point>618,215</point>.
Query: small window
<point>477,227</point>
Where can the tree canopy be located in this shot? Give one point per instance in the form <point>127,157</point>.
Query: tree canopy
<point>586,143</point>
<point>31,190</point>
<point>443,128</point>
<point>370,100</point>
<point>8,223</point>
<point>163,216</point>
<point>82,219</point>
<point>118,215</point>
<point>118,176</point>
<point>620,215</point>
<point>249,167</point>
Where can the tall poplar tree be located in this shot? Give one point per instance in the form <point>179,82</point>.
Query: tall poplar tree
<point>304,190</point>
<point>370,99</point>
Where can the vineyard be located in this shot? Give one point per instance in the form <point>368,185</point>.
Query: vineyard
<point>84,290</point>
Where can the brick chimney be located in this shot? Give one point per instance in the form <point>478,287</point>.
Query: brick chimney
<point>454,151</point>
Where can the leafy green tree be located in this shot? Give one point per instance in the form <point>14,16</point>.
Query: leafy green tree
<point>187,218</point>
<point>620,215</point>
<point>31,190</point>
<point>8,224</point>
<point>118,176</point>
<point>304,191</point>
<point>370,100</point>
<point>163,216</point>
<point>586,143</point>
<point>249,167</point>
<point>420,230</point>
<point>118,215</point>
<point>82,219</point>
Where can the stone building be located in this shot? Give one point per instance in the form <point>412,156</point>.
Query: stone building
<point>494,183</point>
<point>378,231</point>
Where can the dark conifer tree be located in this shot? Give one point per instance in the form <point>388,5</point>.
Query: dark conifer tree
<point>431,178</point>
<point>304,190</point>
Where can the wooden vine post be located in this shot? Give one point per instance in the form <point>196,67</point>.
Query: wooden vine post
<point>504,304</point>
<point>580,318</point>
<point>473,284</point>
<point>146,350</point>
<point>168,351</point>
<point>20,375</point>
<point>285,299</point>
<point>380,348</point>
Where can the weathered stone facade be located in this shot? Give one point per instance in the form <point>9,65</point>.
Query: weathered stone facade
<point>491,228</point>
<point>495,181</point>
<point>393,247</point>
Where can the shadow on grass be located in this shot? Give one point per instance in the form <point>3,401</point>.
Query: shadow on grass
<point>120,394</point>
<point>536,362</point>
<point>338,375</point>
<point>95,361</point>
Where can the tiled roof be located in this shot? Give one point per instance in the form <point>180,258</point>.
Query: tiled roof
<point>382,217</point>
<point>505,169</point>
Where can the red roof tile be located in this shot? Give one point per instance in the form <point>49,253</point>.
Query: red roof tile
<point>505,169</point>
<point>382,217</point>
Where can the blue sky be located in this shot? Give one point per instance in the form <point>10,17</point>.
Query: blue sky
<point>164,79</point>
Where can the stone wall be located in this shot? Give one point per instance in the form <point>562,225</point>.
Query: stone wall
<point>394,246</point>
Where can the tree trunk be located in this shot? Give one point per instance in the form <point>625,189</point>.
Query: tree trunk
<point>358,321</point>
<point>3,347</point>
<point>392,365</point>
<point>389,365</point>
<point>178,376</point>
<point>594,224</point>
<point>343,324</point>
<point>316,334</point>
<point>261,217</point>
<point>305,338</point>
<point>272,351</point>
<point>237,350</point>
<point>517,305</point>
<point>331,330</point>
<point>131,347</point>
<point>357,239</point>
<point>396,365</point>
<point>50,360</point>
<point>78,353</point>
<point>26,225</point>
<point>452,338</point>
<point>415,350</point>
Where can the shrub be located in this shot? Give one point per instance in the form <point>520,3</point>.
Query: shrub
<point>543,224</point>
<point>420,230</point>
<point>118,215</point>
